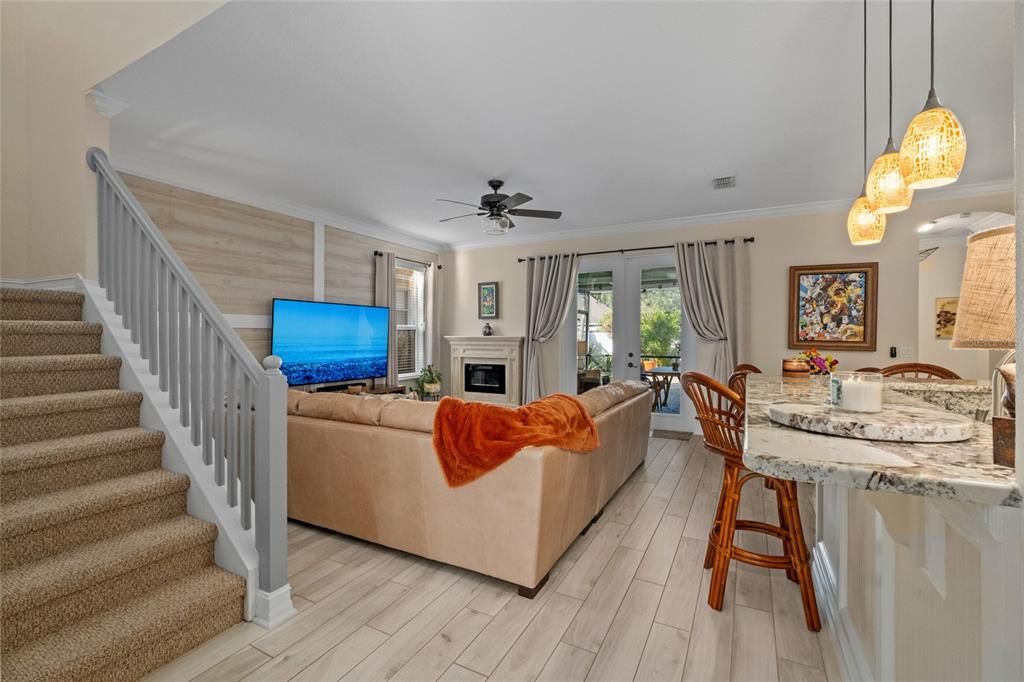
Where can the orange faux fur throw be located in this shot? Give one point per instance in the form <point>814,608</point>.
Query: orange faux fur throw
<point>472,438</point>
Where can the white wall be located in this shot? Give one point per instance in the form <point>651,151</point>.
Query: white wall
<point>810,239</point>
<point>939,277</point>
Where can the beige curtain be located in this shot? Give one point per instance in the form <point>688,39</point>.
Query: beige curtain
<point>550,292</point>
<point>714,283</point>
<point>384,295</point>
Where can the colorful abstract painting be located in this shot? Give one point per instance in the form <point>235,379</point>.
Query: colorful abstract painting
<point>833,306</point>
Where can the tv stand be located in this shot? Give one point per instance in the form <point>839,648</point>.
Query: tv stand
<point>381,390</point>
<point>372,390</point>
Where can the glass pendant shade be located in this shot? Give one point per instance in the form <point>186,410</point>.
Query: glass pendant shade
<point>496,224</point>
<point>863,225</point>
<point>886,190</point>
<point>934,147</point>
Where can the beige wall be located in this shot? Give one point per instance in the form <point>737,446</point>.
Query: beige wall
<point>780,242</point>
<point>52,53</point>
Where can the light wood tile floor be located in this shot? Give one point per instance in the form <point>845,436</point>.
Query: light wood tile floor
<point>626,601</point>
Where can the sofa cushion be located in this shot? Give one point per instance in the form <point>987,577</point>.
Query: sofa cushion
<point>410,415</point>
<point>341,407</point>
<point>293,400</point>
<point>599,399</point>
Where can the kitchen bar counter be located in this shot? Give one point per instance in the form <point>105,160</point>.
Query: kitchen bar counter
<point>945,470</point>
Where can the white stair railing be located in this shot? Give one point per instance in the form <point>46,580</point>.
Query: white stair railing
<point>234,408</point>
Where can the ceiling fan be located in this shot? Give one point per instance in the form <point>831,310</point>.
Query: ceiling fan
<point>495,209</point>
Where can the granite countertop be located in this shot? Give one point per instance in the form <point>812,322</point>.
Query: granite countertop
<point>941,386</point>
<point>947,470</point>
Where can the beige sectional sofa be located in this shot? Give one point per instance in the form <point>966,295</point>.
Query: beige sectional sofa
<point>366,467</point>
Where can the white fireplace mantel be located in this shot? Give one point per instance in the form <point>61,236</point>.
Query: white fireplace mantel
<point>495,350</point>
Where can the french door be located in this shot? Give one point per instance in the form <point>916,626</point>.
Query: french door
<point>628,324</point>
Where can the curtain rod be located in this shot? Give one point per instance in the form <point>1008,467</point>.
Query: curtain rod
<point>379,254</point>
<point>746,240</point>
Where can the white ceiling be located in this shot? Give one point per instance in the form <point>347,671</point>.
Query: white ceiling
<point>615,113</point>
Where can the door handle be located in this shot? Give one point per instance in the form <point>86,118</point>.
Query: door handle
<point>631,365</point>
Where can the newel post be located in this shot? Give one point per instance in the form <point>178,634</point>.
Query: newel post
<point>273,601</point>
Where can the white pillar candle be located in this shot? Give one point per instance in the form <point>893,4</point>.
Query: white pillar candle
<point>857,394</point>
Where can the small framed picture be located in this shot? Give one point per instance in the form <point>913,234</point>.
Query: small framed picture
<point>945,317</point>
<point>487,300</point>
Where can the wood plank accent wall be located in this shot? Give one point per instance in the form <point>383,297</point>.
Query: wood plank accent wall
<point>349,264</point>
<point>245,256</point>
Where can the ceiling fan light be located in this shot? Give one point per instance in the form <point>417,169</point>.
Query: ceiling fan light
<point>864,226</point>
<point>886,190</point>
<point>934,147</point>
<point>496,224</point>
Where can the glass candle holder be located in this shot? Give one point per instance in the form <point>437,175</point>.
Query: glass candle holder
<point>856,391</point>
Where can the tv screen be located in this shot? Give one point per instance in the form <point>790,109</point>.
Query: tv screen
<point>324,342</point>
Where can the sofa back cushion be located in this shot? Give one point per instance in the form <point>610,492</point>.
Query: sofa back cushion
<point>341,407</point>
<point>599,399</point>
<point>410,415</point>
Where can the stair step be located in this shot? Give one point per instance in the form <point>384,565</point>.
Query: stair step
<point>37,527</point>
<point>133,638</point>
<point>44,417</point>
<point>42,467</point>
<point>48,374</point>
<point>49,594</point>
<point>40,304</point>
<point>39,337</point>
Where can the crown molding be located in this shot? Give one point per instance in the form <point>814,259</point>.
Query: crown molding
<point>950,192</point>
<point>105,105</point>
<point>134,165</point>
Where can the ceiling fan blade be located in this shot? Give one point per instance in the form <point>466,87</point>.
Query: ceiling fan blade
<point>456,217</point>
<point>461,203</point>
<point>516,199</point>
<point>510,223</point>
<point>530,213</point>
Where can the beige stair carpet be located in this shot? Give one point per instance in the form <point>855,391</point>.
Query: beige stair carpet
<point>104,575</point>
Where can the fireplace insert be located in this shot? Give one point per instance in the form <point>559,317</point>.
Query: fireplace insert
<point>484,378</point>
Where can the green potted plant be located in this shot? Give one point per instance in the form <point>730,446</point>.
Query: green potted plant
<point>429,382</point>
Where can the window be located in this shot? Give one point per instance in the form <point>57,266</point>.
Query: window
<point>409,310</point>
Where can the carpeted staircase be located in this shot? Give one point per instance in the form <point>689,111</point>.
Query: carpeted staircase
<point>103,574</point>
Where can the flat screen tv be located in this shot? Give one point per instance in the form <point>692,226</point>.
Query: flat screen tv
<point>324,342</point>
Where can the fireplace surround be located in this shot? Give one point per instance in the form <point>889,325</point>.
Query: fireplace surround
<point>487,368</point>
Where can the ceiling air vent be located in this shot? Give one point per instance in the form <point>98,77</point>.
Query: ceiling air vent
<point>724,182</point>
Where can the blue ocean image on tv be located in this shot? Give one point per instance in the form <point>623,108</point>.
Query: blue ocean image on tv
<point>325,342</point>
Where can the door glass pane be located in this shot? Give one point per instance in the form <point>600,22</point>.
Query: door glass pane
<point>593,330</point>
<point>660,317</point>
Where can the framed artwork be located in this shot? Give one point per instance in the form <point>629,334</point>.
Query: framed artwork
<point>487,300</point>
<point>945,316</point>
<point>833,307</point>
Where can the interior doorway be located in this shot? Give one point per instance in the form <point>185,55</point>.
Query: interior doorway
<point>628,324</point>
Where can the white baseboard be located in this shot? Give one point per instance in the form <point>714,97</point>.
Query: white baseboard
<point>273,608</point>
<point>62,282</point>
<point>853,664</point>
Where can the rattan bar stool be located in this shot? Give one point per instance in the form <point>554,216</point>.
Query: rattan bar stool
<point>720,411</point>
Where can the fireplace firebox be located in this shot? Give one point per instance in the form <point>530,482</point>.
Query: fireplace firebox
<point>484,378</point>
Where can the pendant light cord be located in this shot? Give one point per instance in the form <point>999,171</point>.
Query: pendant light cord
<point>890,70</point>
<point>866,88</point>
<point>931,77</point>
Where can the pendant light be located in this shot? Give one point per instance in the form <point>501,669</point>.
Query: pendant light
<point>935,145</point>
<point>887,191</point>
<point>862,224</point>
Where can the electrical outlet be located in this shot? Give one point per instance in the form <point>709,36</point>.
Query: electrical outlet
<point>906,352</point>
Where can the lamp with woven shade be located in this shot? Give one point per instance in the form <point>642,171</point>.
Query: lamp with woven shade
<point>986,318</point>
<point>935,146</point>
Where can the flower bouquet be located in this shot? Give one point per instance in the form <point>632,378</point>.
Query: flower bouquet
<point>820,364</point>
